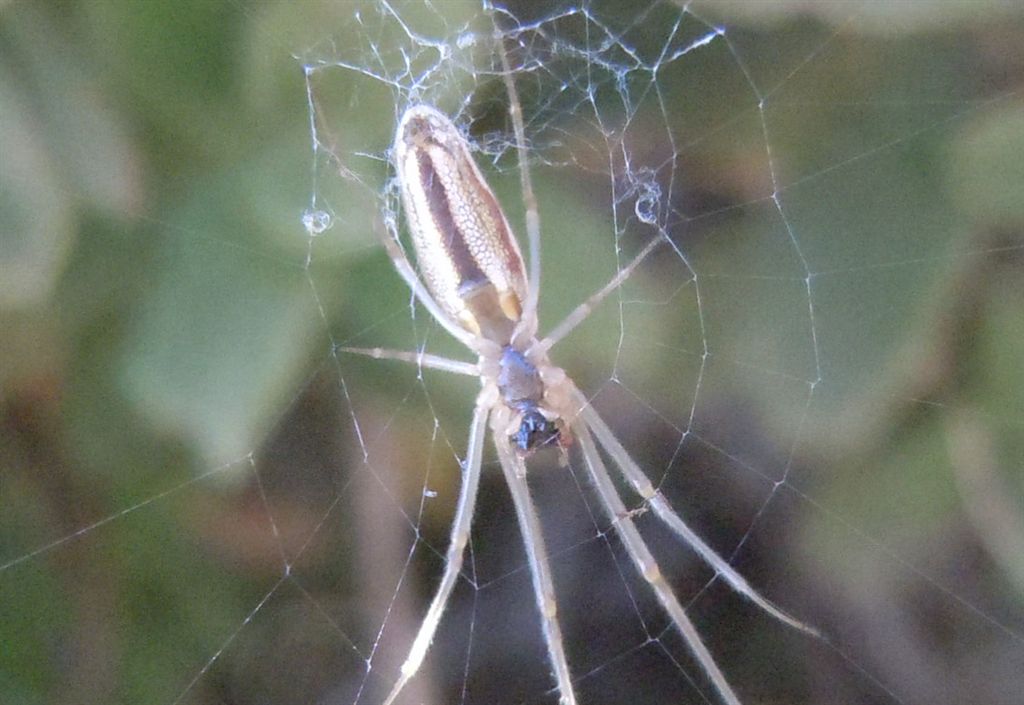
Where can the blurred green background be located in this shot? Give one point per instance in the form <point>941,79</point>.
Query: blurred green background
<point>200,502</point>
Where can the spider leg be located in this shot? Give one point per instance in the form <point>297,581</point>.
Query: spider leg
<point>580,313</point>
<point>456,548</point>
<point>532,212</point>
<point>641,556</point>
<point>406,271</point>
<point>663,510</point>
<point>420,359</point>
<point>543,585</point>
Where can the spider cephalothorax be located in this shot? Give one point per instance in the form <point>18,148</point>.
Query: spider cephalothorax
<point>522,390</point>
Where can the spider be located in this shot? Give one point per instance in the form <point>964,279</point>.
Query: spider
<point>475,284</point>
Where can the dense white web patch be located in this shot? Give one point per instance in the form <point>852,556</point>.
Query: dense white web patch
<point>726,362</point>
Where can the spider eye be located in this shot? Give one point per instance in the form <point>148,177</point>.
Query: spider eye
<point>535,431</point>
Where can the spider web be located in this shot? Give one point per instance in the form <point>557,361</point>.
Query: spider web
<point>742,364</point>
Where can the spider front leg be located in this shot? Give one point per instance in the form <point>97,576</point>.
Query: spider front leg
<point>456,547</point>
<point>645,563</point>
<point>514,468</point>
<point>664,511</point>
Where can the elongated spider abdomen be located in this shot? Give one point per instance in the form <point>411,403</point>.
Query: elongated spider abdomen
<point>464,246</point>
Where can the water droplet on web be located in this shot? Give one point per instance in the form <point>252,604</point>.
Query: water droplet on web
<point>316,221</point>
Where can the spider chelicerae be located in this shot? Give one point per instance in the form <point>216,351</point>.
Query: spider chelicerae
<point>475,284</point>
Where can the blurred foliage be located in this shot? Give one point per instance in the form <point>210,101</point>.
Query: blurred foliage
<point>161,334</point>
